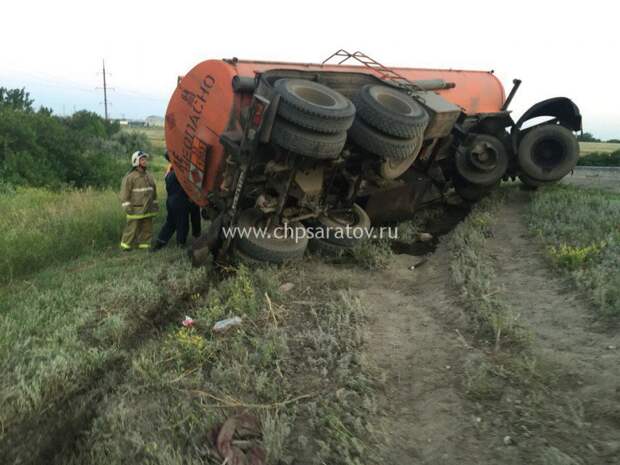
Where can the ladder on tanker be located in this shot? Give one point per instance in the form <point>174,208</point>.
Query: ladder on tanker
<point>383,72</point>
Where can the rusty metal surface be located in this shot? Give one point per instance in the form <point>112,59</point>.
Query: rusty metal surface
<point>401,202</point>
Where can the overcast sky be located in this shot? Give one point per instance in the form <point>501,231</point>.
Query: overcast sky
<point>557,48</point>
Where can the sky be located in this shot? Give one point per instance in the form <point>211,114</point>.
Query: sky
<point>55,49</point>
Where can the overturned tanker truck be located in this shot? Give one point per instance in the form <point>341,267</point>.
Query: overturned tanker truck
<point>334,147</point>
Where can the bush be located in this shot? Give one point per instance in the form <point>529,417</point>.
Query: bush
<point>600,159</point>
<point>39,149</point>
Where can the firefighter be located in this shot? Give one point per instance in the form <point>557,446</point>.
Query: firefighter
<point>180,210</point>
<point>139,200</point>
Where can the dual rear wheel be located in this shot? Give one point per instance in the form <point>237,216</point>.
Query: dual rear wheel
<point>258,240</point>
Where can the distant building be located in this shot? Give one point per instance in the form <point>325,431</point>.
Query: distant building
<point>154,121</point>
<point>123,122</point>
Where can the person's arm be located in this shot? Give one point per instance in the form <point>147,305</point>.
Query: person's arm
<point>126,193</point>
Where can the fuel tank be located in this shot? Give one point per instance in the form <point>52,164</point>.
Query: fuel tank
<point>204,105</point>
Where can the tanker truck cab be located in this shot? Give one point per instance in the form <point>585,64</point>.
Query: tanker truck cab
<point>282,155</point>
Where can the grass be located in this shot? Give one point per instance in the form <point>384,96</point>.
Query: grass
<point>473,272</point>
<point>97,368</point>
<point>519,390</point>
<point>68,333</point>
<point>589,147</point>
<point>39,227</point>
<point>580,229</point>
<point>600,159</point>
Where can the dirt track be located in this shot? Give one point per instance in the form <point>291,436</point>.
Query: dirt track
<point>418,335</point>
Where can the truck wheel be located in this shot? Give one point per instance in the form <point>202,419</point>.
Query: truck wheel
<point>548,152</point>
<point>391,111</point>
<point>269,248</point>
<point>337,223</point>
<point>472,192</point>
<point>533,183</point>
<point>482,161</point>
<point>308,143</point>
<point>314,106</point>
<point>392,169</point>
<point>327,249</point>
<point>380,144</point>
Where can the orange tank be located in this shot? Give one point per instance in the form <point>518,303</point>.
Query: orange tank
<point>204,105</point>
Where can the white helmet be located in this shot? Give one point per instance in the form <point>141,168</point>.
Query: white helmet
<point>135,157</point>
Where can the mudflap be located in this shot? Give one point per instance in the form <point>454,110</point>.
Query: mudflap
<point>561,108</point>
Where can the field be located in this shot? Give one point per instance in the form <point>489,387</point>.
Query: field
<point>154,134</point>
<point>605,147</point>
<point>496,344</point>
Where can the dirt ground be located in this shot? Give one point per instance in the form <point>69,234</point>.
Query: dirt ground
<point>417,334</point>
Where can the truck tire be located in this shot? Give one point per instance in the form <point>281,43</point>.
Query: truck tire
<point>548,152</point>
<point>327,249</point>
<point>391,111</point>
<point>314,106</point>
<point>334,224</point>
<point>267,249</point>
<point>483,160</point>
<point>307,143</point>
<point>533,183</point>
<point>472,192</point>
<point>380,144</point>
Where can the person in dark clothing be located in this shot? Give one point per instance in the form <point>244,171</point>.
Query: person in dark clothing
<point>195,218</point>
<point>180,209</point>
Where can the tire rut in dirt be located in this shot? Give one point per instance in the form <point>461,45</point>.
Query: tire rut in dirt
<point>53,435</point>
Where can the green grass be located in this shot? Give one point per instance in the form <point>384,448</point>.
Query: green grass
<point>600,159</point>
<point>580,229</point>
<point>67,332</point>
<point>102,362</point>
<point>39,227</point>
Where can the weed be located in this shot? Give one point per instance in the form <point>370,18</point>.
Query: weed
<point>372,254</point>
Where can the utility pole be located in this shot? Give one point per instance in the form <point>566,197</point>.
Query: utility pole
<point>105,93</point>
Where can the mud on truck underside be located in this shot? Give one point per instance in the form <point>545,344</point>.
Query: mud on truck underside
<point>327,149</point>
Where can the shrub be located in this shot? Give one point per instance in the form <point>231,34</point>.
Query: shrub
<point>40,149</point>
<point>600,159</point>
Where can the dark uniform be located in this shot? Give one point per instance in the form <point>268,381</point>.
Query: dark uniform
<point>180,209</point>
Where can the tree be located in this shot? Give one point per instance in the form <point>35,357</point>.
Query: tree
<point>587,137</point>
<point>92,125</point>
<point>15,99</point>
